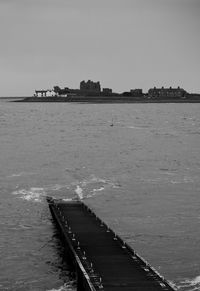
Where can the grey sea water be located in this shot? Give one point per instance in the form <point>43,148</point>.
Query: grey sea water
<point>141,176</point>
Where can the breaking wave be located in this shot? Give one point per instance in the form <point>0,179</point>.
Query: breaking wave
<point>93,186</point>
<point>66,287</point>
<point>79,192</point>
<point>83,189</point>
<point>190,284</point>
<point>32,194</point>
<point>37,194</point>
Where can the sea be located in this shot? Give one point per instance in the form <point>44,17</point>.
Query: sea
<point>136,165</point>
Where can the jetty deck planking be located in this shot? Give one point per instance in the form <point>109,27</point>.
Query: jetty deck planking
<point>103,260</point>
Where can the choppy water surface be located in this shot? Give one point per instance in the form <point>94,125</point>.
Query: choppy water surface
<point>141,176</point>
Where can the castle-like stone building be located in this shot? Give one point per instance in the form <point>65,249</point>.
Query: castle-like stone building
<point>90,87</point>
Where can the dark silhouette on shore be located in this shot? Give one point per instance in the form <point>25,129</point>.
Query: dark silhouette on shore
<point>91,92</point>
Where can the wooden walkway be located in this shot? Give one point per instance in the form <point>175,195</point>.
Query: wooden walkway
<point>103,261</point>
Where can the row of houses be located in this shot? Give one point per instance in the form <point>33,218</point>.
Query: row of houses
<point>167,92</point>
<point>94,88</point>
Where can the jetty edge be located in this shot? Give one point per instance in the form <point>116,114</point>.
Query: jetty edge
<point>100,258</point>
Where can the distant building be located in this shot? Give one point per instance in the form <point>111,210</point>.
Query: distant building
<point>44,93</point>
<point>90,87</point>
<point>107,91</point>
<point>136,92</point>
<point>167,92</point>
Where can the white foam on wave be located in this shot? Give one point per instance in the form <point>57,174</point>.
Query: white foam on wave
<point>98,190</point>
<point>66,287</point>
<point>94,192</point>
<point>56,187</point>
<point>192,284</point>
<point>93,179</point>
<point>173,285</point>
<point>83,189</point>
<point>20,174</point>
<point>37,194</point>
<point>15,175</point>
<point>79,192</point>
<point>93,186</point>
<point>32,194</point>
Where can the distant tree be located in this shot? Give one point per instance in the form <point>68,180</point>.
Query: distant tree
<point>60,91</point>
<point>126,93</point>
<point>57,89</point>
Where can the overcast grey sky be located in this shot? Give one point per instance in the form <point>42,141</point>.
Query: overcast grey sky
<point>122,43</point>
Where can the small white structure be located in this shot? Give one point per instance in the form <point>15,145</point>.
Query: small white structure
<point>50,93</point>
<point>45,93</point>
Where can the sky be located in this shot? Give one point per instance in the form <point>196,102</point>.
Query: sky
<point>124,44</point>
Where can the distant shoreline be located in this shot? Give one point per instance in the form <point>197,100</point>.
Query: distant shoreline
<point>106,99</point>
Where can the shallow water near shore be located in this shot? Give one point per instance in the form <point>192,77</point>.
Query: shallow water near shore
<point>141,176</point>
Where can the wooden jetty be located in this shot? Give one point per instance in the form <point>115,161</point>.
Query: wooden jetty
<point>101,259</point>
